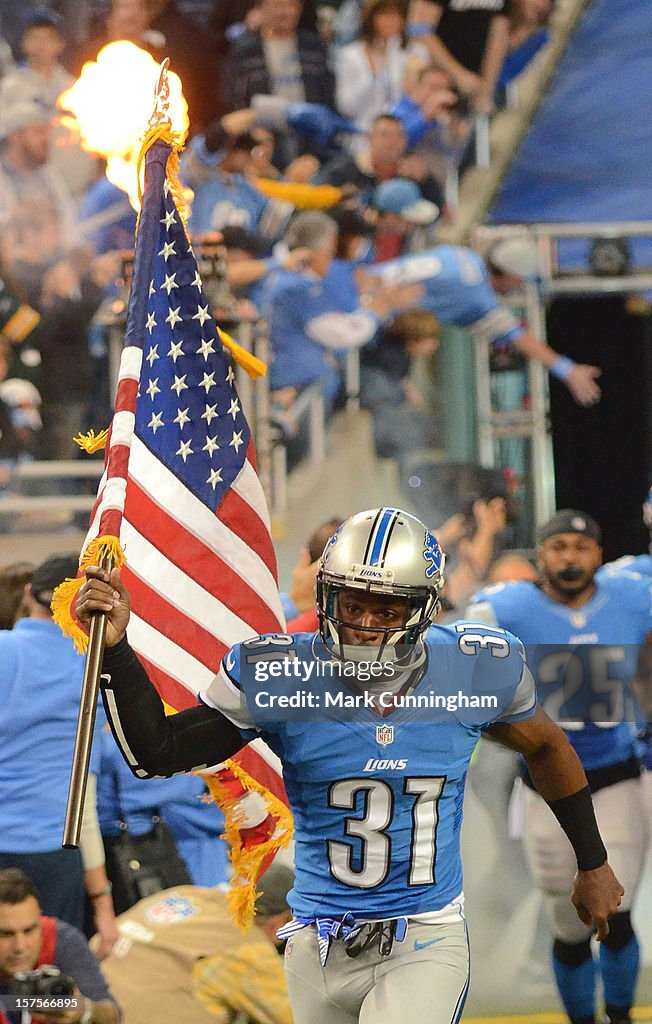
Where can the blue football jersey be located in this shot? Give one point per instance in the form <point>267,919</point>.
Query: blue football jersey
<point>376,792</point>
<point>456,289</point>
<point>582,658</point>
<point>641,564</point>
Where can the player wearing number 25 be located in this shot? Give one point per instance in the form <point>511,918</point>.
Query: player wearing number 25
<point>583,636</point>
<point>378,928</point>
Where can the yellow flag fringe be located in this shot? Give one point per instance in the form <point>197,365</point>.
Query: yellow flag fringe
<point>247,862</point>
<point>92,442</point>
<point>255,367</point>
<point>164,133</point>
<point>65,594</point>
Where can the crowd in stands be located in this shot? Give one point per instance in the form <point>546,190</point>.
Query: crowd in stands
<point>355,110</point>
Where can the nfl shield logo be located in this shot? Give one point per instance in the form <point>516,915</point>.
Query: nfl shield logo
<point>384,734</point>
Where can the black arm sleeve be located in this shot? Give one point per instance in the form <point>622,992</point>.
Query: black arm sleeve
<point>576,816</point>
<point>153,743</point>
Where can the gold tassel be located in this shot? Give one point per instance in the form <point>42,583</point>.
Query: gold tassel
<point>164,133</point>
<point>255,367</point>
<point>92,442</point>
<point>247,863</point>
<point>65,594</point>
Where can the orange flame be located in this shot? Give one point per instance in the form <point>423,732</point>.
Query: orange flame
<point>111,104</point>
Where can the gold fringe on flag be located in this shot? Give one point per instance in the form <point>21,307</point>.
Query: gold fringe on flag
<point>255,367</point>
<point>163,133</point>
<point>247,862</point>
<point>92,442</point>
<point>65,594</point>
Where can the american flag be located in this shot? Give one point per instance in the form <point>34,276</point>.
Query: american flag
<point>180,488</point>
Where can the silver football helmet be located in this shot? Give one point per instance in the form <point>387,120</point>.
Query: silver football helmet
<point>381,551</point>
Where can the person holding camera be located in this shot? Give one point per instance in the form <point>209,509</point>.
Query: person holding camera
<point>44,959</point>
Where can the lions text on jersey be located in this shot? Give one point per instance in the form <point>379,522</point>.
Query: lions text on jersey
<point>377,798</point>
<point>605,634</point>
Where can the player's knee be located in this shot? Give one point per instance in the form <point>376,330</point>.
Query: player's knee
<point>620,931</point>
<point>572,954</point>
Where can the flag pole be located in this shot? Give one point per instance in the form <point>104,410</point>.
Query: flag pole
<point>97,632</point>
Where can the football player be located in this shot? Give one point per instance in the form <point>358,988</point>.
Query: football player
<point>387,711</point>
<point>586,633</point>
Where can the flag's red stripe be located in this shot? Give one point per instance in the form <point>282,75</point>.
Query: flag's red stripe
<point>172,692</point>
<point>241,519</point>
<point>251,453</point>
<point>125,399</point>
<point>192,556</point>
<point>259,769</point>
<point>157,612</point>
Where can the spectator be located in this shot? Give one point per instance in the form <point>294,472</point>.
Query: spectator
<point>383,157</point>
<point>402,423</point>
<point>309,319</point>
<point>42,76</point>
<point>468,41</point>
<point>528,32</point>
<point>281,60</point>
<point>299,601</point>
<point>11,446</point>
<point>511,567</point>
<point>401,211</point>
<point>125,802</point>
<point>13,580</point>
<point>214,167</point>
<point>29,939</point>
<point>369,73</point>
<point>180,954</point>
<point>27,176</point>
<point>195,65</point>
<point>40,682</point>
<point>458,289</point>
<point>126,20</point>
<point>425,107</point>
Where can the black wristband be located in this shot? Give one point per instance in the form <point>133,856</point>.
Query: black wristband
<point>576,816</point>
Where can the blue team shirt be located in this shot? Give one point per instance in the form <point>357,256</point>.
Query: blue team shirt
<point>641,564</point>
<point>456,289</point>
<point>40,688</point>
<point>595,706</point>
<point>377,800</point>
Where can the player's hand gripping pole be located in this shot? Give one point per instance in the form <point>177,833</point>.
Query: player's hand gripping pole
<point>85,725</point>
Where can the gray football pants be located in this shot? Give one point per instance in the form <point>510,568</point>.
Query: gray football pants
<point>424,980</point>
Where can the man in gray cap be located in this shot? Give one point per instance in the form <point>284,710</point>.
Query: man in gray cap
<point>26,174</point>
<point>587,631</point>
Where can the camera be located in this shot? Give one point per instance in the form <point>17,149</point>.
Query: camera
<point>45,982</point>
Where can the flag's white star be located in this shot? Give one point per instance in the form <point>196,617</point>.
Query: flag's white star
<point>184,450</point>
<point>176,350</point>
<point>166,188</point>
<point>234,408</point>
<point>151,323</point>
<point>170,282</point>
<point>168,250</point>
<point>215,477</point>
<point>206,347</point>
<point>152,355</point>
<point>210,413</point>
<point>202,315</point>
<point>197,282</point>
<point>208,381</point>
<point>169,219</point>
<point>152,289</point>
<point>211,445</point>
<point>153,388</point>
<point>173,317</point>
<point>182,418</point>
<point>230,375</point>
<point>179,384</point>
<point>236,440</point>
<point>156,421</point>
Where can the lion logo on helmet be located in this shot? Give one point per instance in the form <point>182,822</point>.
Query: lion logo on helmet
<point>433,554</point>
